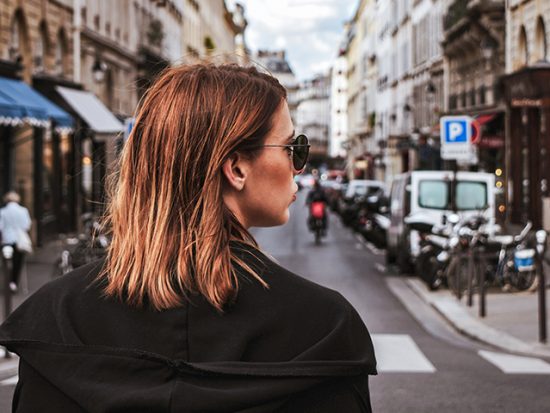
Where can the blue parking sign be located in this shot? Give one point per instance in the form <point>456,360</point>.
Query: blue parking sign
<point>456,131</point>
<point>456,139</point>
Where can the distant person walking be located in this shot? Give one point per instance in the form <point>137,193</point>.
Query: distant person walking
<point>15,222</point>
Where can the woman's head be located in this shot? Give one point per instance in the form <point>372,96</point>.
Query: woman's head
<point>199,139</point>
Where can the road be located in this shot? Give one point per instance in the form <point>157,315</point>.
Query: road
<point>424,366</point>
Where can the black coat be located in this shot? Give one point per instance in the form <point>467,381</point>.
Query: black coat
<point>295,347</point>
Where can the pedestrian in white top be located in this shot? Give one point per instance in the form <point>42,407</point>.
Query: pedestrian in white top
<point>15,222</point>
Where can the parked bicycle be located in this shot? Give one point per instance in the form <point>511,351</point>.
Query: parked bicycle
<point>83,249</point>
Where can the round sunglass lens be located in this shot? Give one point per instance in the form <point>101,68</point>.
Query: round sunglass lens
<point>300,152</point>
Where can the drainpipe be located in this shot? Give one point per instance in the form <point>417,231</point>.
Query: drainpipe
<point>77,27</point>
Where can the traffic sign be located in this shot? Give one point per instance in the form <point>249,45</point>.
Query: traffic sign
<point>476,132</point>
<point>456,138</point>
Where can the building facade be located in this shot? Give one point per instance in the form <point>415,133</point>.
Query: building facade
<point>338,108</point>
<point>313,116</point>
<point>397,157</point>
<point>36,154</point>
<point>527,99</point>
<point>85,64</point>
<point>211,30</point>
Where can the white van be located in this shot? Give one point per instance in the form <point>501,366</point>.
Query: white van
<point>429,194</point>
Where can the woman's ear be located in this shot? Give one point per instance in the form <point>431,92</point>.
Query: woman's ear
<point>235,169</point>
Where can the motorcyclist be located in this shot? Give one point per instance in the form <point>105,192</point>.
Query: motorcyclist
<point>317,194</point>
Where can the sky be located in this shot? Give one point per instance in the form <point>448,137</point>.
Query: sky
<point>309,30</point>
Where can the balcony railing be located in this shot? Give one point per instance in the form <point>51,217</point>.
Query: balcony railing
<point>457,10</point>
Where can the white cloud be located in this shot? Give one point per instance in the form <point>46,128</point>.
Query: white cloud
<point>309,30</point>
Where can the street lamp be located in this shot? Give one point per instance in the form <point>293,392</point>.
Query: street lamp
<point>487,48</point>
<point>99,68</point>
<point>430,89</point>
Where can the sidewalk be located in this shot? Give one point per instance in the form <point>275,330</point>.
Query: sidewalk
<point>511,322</point>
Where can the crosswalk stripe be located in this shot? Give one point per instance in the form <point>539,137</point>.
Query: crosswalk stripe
<point>399,353</point>
<point>10,381</point>
<point>511,364</point>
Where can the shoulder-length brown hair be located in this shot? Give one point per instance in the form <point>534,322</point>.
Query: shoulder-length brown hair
<point>170,228</point>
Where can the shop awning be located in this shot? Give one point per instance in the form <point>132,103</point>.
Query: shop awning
<point>483,119</point>
<point>20,103</point>
<point>91,110</point>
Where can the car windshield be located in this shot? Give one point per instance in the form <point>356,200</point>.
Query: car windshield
<point>361,190</point>
<point>470,195</point>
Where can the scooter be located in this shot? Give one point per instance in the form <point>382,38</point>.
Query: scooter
<point>317,220</point>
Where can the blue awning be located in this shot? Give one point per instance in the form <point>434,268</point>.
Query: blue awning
<point>20,103</point>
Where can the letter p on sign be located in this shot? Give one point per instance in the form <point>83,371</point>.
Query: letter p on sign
<point>455,130</point>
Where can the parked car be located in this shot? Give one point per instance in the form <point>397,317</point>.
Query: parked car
<point>334,191</point>
<point>430,194</point>
<point>357,191</point>
<point>374,219</point>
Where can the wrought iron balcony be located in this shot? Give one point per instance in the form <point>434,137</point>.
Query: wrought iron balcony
<point>457,10</point>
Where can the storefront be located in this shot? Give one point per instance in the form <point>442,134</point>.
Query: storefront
<point>33,131</point>
<point>527,93</point>
<point>98,136</point>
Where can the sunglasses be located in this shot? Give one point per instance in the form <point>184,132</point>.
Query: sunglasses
<point>299,149</point>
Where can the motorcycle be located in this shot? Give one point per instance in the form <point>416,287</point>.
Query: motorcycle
<point>317,220</point>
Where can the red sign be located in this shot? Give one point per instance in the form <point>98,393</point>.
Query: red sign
<point>476,132</point>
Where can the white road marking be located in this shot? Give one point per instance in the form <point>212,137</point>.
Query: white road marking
<point>373,249</point>
<point>380,267</point>
<point>368,245</point>
<point>398,353</point>
<point>10,382</point>
<point>511,364</point>
<point>8,365</point>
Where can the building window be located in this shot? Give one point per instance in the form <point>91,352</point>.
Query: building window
<point>523,51</point>
<point>452,102</point>
<point>41,48</point>
<point>472,94</point>
<point>482,95</point>
<point>14,50</point>
<point>61,53</point>
<point>96,22</point>
<point>541,48</point>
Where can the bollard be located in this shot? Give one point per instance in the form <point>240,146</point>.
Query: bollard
<point>541,248</point>
<point>458,277</point>
<point>482,301</point>
<point>7,254</point>
<point>470,276</point>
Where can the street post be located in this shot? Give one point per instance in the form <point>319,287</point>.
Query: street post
<point>541,237</point>
<point>7,260</point>
<point>456,134</point>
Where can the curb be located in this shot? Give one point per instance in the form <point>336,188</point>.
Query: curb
<point>469,326</point>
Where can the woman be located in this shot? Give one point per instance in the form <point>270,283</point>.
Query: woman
<point>15,223</point>
<point>186,313</point>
